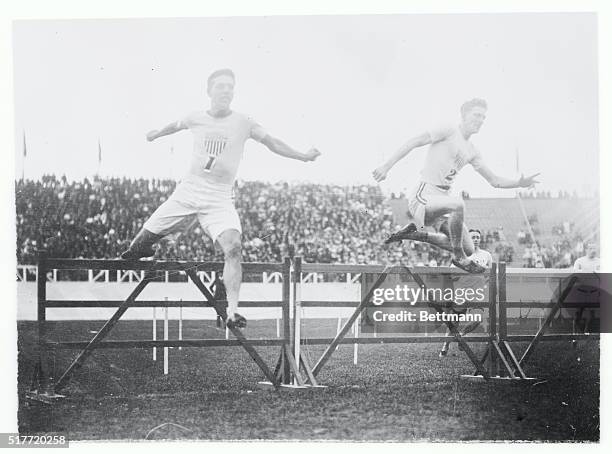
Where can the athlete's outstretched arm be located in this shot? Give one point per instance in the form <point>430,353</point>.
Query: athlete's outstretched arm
<point>167,130</point>
<point>501,182</point>
<point>281,148</point>
<point>381,172</point>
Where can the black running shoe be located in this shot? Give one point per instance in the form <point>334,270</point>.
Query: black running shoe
<point>135,254</point>
<point>237,321</point>
<point>401,234</point>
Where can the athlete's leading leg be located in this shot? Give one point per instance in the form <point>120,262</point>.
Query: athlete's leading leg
<point>435,209</point>
<point>142,245</point>
<point>442,239</point>
<point>230,243</point>
<point>457,232</point>
<point>169,217</point>
<point>456,236</point>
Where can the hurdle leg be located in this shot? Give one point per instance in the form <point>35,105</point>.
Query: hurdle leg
<point>279,368</point>
<point>308,370</point>
<point>356,346</point>
<point>41,387</point>
<point>108,326</point>
<point>154,332</point>
<point>484,356</point>
<point>513,360</point>
<point>453,329</point>
<point>294,367</point>
<point>467,349</point>
<point>503,359</point>
<point>349,323</point>
<point>556,306</point>
<point>235,331</point>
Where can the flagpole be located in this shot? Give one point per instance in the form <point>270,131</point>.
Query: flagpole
<point>522,205</point>
<point>172,172</point>
<point>23,157</point>
<point>99,158</point>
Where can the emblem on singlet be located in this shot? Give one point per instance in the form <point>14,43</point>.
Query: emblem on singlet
<point>459,162</point>
<point>214,145</point>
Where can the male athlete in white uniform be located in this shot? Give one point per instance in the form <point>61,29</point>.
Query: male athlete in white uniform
<point>479,256</point>
<point>590,263</point>
<point>450,150</point>
<point>206,192</point>
<point>482,258</point>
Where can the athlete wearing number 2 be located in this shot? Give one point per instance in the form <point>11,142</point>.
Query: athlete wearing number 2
<point>219,135</point>
<point>431,199</point>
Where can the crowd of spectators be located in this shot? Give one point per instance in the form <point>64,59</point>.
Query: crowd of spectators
<point>561,251</point>
<point>97,218</point>
<point>322,223</point>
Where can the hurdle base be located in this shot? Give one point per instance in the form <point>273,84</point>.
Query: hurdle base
<point>48,397</point>
<point>498,379</point>
<point>268,386</point>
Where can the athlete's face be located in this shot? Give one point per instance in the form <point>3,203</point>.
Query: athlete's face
<point>474,118</point>
<point>591,250</point>
<point>475,238</point>
<point>221,92</point>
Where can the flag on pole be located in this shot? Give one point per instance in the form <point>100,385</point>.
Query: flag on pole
<point>517,161</point>
<point>25,149</point>
<point>99,152</point>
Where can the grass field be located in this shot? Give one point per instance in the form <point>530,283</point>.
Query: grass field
<point>396,392</point>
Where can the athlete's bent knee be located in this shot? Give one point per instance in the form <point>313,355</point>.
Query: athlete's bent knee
<point>233,250</point>
<point>457,205</point>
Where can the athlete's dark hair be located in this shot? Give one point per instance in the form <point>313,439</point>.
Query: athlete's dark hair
<point>469,105</point>
<point>217,73</point>
<point>475,230</point>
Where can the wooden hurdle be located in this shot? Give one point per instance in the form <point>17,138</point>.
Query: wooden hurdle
<point>46,388</point>
<point>558,301</point>
<point>367,292</point>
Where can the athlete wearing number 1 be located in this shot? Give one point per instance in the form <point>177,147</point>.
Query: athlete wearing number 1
<point>205,193</point>
<point>431,199</point>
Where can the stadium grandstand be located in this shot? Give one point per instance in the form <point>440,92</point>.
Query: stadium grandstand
<point>96,218</point>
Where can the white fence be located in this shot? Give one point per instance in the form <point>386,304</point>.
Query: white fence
<point>29,273</point>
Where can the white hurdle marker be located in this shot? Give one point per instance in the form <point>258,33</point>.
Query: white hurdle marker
<point>338,327</point>
<point>297,328</point>
<point>166,338</point>
<point>181,324</point>
<point>356,346</point>
<point>154,332</point>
